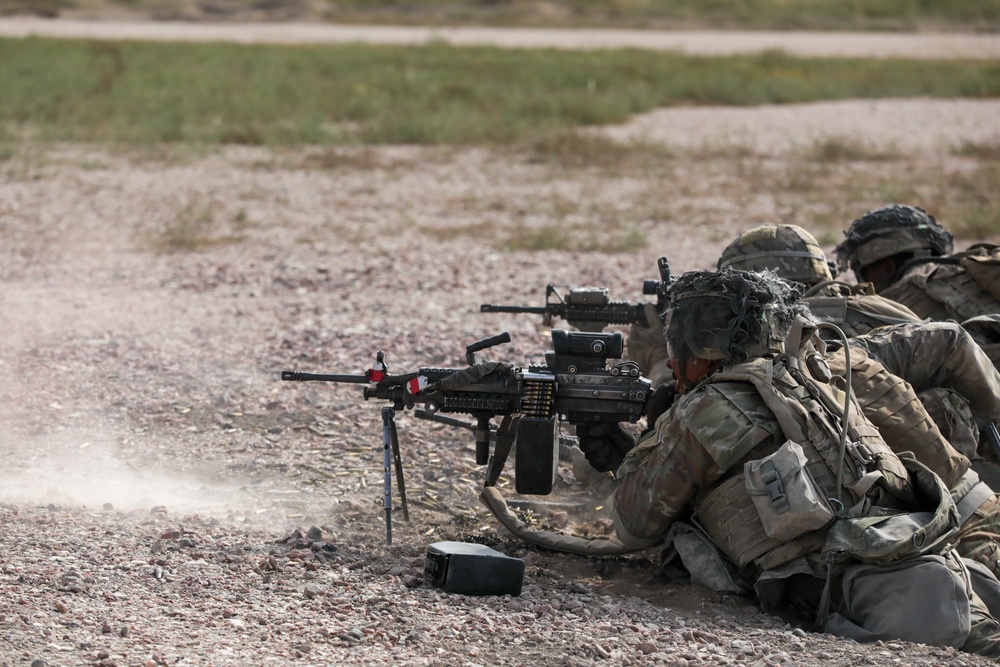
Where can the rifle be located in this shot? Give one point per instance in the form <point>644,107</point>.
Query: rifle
<point>578,384</point>
<point>591,308</point>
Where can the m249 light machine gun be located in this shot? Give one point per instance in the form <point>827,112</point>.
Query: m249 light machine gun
<point>591,308</point>
<point>579,383</point>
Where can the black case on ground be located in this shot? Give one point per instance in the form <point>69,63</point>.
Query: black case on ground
<point>473,569</point>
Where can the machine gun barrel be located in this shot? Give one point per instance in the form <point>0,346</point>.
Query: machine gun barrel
<point>299,376</point>
<point>582,381</point>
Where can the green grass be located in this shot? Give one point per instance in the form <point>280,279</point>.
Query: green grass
<point>147,93</point>
<point>745,14</point>
<point>754,14</point>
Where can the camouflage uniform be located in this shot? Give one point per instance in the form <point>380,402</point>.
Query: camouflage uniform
<point>927,278</point>
<point>938,360</point>
<point>857,310</point>
<point>693,465</point>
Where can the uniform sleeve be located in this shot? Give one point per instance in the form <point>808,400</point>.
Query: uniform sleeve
<point>691,449</point>
<point>939,354</point>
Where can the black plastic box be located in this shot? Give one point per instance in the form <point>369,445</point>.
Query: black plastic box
<point>473,569</point>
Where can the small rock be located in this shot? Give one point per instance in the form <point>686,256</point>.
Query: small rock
<point>313,590</point>
<point>742,646</point>
<point>647,647</point>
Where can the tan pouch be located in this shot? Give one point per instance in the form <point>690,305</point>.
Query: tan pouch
<point>985,270</point>
<point>787,498</point>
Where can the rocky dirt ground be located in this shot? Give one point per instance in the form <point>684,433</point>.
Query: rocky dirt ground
<point>166,500</point>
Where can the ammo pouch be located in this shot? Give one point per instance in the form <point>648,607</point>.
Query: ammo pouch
<point>788,500</point>
<point>924,599</point>
<point>983,264</point>
<point>953,417</point>
<point>896,537</point>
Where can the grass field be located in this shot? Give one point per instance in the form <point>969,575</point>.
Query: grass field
<point>961,15</point>
<point>142,93</point>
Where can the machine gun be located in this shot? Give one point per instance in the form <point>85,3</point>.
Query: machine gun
<point>591,308</point>
<point>578,384</point>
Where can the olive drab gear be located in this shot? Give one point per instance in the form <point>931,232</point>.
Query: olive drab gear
<point>942,288</point>
<point>985,330</point>
<point>928,279</point>
<point>855,309</point>
<point>951,412</point>
<point>789,250</point>
<point>871,475</point>
<point>964,287</point>
<point>982,261</point>
<point>894,408</point>
<point>890,231</point>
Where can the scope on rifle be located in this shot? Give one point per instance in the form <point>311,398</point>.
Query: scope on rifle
<point>591,344</point>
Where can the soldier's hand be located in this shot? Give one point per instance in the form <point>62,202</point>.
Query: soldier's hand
<point>604,445</point>
<point>659,402</point>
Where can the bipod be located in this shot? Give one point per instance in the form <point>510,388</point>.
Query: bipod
<point>391,457</point>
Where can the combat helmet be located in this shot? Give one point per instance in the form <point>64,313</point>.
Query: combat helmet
<point>730,315</point>
<point>789,250</point>
<point>889,231</point>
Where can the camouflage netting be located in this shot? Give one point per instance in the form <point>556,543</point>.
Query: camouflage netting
<point>888,231</point>
<point>789,250</point>
<point>730,315</point>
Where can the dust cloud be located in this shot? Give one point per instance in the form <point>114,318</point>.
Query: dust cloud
<point>90,470</point>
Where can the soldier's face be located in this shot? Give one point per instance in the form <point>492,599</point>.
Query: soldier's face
<point>692,372</point>
<point>880,273</point>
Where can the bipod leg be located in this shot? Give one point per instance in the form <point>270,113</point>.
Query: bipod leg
<point>388,431</point>
<point>398,462</point>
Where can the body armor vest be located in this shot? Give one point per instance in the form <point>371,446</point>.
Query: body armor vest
<point>958,287</point>
<point>809,412</point>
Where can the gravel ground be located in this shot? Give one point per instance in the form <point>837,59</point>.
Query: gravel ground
<point>166,500</point>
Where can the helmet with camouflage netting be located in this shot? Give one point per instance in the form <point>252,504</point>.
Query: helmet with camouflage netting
<point>889,231</point>
<point>730,315</point>
<point>790,251</point>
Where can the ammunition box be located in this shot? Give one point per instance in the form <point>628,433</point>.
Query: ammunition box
<point>473,569</point>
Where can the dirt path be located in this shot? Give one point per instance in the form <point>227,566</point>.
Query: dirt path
<point>877,45</point>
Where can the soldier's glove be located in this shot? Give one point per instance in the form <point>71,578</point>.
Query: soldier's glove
<point>659,402</point>
<point>604,445</point>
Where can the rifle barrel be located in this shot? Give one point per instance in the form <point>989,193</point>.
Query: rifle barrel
<point>497,308</point>
<point>299,376</point>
